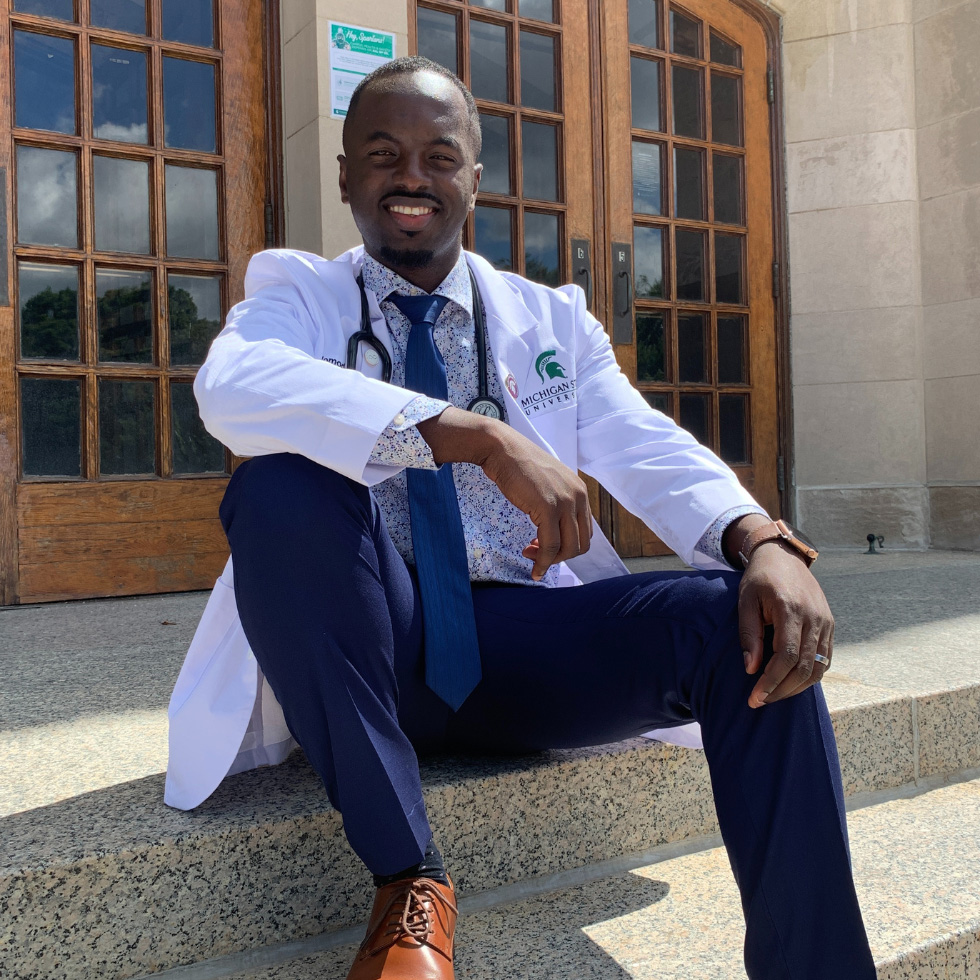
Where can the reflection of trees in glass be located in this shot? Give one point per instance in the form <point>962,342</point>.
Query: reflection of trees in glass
<point>126,437</point>
<point>190,334</point>
<point>125,324</point>
<point>538,271</point>
<point>645,286</point>
<point>51,416</point>
<point>49,324</point>
<point>650,348</point>
<point>195,449</point>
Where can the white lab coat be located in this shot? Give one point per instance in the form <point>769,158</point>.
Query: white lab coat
<point>273,382</point>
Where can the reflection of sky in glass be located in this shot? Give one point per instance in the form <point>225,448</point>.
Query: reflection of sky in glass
<point>122,205</point>
<point>192,212</point>
<point>490,4</point>
<point>496,154</point>
<point>538,9</point>
<point>121,15</point>
<point>190,21</point>
<point>119,94</point>
<point>541,248</point>
<point>648,261</point>
<point>59,9</point>
<point>47,212</point>
<point>540,163</point>
<point>646,177</point>
<point>188,104</point>
<point>644,18</point>
<point>44,79</point>
<point>489,63</point>
<point>538,71</point>
<point>437,37</point>
<point>493,236</point>
<point>645,93</point>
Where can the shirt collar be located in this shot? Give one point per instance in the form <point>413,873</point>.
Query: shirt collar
<point>382,281</point>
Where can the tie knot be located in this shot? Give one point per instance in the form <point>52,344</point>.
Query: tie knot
<point>420,309</point>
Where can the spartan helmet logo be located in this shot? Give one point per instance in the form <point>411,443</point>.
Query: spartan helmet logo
<point>546,364</point>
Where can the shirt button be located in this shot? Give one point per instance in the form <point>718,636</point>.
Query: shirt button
<point>477,552</point>
<point>399,419</point>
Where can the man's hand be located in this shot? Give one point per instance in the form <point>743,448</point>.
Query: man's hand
<point>553,496</point>
<point>778,589</point>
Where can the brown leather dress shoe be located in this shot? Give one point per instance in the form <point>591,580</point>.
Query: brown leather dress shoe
<point>410,933</point>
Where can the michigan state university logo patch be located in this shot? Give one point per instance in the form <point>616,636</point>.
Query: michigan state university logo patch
<point>557,388</point>
<point>546,364</point>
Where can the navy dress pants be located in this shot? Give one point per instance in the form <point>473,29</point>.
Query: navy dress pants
<point>332,614</point>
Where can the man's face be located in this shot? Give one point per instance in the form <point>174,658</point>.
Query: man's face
<point>410,175</point>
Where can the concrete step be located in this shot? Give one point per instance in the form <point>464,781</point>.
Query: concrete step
<point>98,878</point>
<point>916,864</point>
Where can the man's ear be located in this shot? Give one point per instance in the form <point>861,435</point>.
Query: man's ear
<point>344,196</point>
<point>477,174</point>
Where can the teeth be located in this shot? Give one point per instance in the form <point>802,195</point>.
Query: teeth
<point>415,212</point>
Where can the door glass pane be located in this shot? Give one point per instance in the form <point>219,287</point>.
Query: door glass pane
<point>688,183</point>
<point>645,23</point>
<point>120,15</point>
<point>688,117</point>
<point>48,310</point>
<point>728,189</point>
<point>645,93</point>
<point>651,357</point>
<point>647,177</point>
<point>44,80</point>
<point>538,10</point>
<point>188,104</point>
<point>51,417</point>
<point>689,246</point>
<point>118,94</point>
<point>648,261</point>
<point>47,209</point>
<point>59,9</point>
<point>685,35</point>
<point>495,156</point>
<point>494,236</point>
<point>725,123</point>
<point>538,71</point>
<point>195,449</point>
<point>489,61</point>
<point>695,417</point>
<point>490,4</point>
<point>540,165</point>
<point>731,350</point>
<point>724,53</point>
<point>124,301</point>
<point>728,269</point>
<point>194,314</point>
<point>733,428</point>
<point>122,205</point>
<point>541,248</point>
<point>659,401</point>
<point>691,348</point>
<point>126,437</point>
<point>189,21</point>
<point>192,212</point>
<point>437,38</point>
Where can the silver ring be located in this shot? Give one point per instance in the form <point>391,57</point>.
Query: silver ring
<point>821,659</point>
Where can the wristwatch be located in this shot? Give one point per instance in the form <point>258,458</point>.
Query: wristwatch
<point>775,531</point>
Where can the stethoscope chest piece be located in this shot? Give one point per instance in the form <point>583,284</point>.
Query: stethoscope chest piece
<point>488,407</point>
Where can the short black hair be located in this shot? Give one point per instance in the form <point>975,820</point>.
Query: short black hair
<point>410,65</point>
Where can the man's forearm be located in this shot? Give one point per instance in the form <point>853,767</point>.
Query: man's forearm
<point>455,436</point>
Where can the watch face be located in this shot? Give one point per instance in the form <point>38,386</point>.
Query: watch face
<point>803,538</point>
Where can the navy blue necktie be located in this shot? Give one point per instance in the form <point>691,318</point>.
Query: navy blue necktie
<point>452,656</point>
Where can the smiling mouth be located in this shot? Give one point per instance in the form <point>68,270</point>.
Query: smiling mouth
<point>411,212</point>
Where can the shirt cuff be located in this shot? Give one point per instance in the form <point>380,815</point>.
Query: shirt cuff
<point>710,543</point>
<point>401,443</point>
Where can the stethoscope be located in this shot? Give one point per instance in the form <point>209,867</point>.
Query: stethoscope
<point>483,404</point>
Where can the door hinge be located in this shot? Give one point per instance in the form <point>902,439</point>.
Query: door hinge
<point>780,474</point>
<point>270,231</point>
<point>770,84</point>
<point>775,280</point>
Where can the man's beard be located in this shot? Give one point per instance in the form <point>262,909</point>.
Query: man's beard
<point>405,258</point>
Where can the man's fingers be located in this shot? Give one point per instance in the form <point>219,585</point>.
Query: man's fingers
<point>549,544</point>
<point>786,644</point>
<point>806,671</point>
<point>750,629</point>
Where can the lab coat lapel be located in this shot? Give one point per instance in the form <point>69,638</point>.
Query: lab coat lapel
<point>510,324</point>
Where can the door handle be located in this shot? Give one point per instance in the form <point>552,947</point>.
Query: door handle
<point>582,268</point>
<point>626,307</point>
<point>622,313</point>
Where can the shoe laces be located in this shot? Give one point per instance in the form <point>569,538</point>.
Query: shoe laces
<point>415,917</point>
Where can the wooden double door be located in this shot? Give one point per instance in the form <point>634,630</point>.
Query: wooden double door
<point>134,162</point>
<point>628,147</point>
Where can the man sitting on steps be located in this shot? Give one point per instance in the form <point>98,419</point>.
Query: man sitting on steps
<point>396,558</point>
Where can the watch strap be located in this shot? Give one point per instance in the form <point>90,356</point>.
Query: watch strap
<point>776,531</point>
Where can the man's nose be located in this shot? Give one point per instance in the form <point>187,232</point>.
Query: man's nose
<point>411,171</point>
